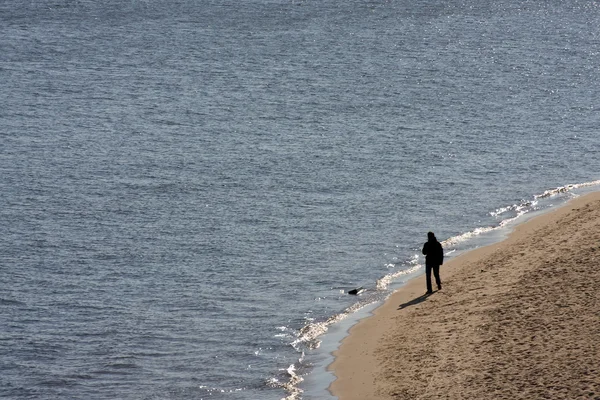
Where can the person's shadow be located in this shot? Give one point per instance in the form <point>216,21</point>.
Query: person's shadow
<point>414,301</point>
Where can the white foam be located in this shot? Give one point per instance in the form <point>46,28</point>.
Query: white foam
<point>291,386</point>
<point>453,241</point>
<point>566,188</point>
<point>383,283</point>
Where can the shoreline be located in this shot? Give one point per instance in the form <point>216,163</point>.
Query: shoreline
<point>414,344</point>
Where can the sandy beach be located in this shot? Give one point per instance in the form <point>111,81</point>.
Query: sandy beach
<point>519,319</point>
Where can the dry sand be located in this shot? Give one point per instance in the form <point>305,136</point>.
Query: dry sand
<point>515,320</point>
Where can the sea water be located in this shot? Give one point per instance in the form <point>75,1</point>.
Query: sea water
<point>188,189</point>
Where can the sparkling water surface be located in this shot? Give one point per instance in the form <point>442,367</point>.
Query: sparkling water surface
<point>189,188</point>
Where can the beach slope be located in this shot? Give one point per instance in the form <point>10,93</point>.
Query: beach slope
<point>519,319</point>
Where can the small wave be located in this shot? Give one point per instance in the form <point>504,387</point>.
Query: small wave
<point>117,368</point>
<point>212,390</point>
<point>281,335</point>
<point>122,365</point>
<point>566,188</point>
<point>308,335</point>
<point>291,385</point>
<point>517,210</point>
<point>58,383</point>
<point>7,302</point>
<point>454,240</point>
<point>383,283</point>
<point>106,333</point>
<point>80,376</point>
<point>529,205</point>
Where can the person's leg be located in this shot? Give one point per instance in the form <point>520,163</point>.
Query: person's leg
<point>436,274</point>
<point>428,276</point>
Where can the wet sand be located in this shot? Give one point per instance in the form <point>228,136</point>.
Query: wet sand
<point>519,319</point>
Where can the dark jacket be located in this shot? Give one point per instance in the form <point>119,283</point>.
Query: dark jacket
<point>434,254</point>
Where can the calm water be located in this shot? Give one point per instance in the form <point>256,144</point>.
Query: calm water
<point>188,188</point>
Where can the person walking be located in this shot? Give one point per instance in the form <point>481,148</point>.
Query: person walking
<point>434,257</point>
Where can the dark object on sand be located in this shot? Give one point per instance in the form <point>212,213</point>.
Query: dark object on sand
<point>356,291</point>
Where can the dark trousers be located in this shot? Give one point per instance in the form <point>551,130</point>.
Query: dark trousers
<point>436,274</point>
